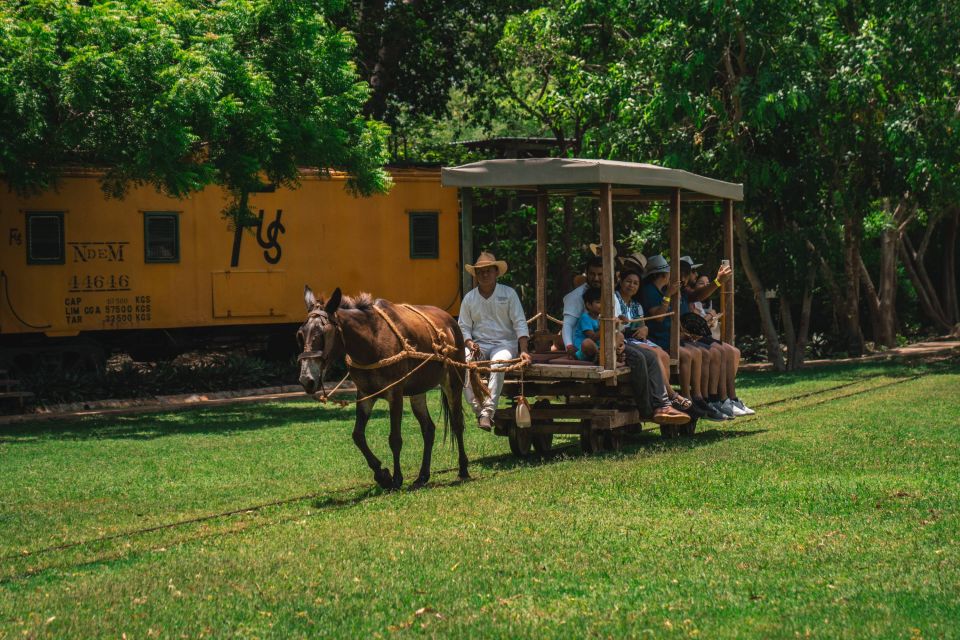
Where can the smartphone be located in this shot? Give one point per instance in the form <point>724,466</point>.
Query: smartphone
<point>724,263</point>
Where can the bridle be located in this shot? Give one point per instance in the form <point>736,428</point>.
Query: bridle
<point>308,354</point>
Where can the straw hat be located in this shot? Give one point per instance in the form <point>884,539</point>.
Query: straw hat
<point>656,264</point>
<point>486,259</point>
<point>596,249</point>
<point>634,262</point>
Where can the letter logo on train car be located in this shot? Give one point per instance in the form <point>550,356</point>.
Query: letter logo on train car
<point>93,251</point>
<point>270,244</point>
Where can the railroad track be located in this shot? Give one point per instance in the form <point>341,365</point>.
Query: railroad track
<point>346,497</point>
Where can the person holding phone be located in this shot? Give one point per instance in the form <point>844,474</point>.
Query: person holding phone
<point>722,378</point>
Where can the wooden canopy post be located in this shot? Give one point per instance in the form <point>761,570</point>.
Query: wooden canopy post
<point>466,239</point>
<point>608,347</point>
<point>726,292</point>
<point>543,204</point>
<point>675,275</point>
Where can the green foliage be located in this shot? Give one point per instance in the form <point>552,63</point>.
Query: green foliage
<point>180,94</point>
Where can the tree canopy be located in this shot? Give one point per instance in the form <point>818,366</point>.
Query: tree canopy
<point>183,93</point>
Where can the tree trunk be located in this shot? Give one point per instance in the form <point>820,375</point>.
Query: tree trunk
<point>913,263</point>
<point>873,301</point>
<point>851,269</point>
<point>774,354</point>
<point>887,311</point>
<point>951,306</point>
<point>789,334</point>
<point>803,333</point>
<point>831,283</point>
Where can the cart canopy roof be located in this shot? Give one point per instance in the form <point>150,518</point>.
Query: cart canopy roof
<point>583,177</point>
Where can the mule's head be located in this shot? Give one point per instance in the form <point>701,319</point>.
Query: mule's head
<point>319,338</point>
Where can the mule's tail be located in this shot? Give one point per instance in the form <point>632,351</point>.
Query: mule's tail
<point>445,412</point>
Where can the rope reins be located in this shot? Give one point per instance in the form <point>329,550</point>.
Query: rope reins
<point>442,352</point>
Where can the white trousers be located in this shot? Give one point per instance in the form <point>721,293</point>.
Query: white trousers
<point>503,351</point>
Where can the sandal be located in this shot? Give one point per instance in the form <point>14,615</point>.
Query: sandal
<point>681,403</point>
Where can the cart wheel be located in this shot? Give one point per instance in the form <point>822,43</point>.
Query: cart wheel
<point>614,440</point>
<point>591,442</point>
<point>669,431</point>
<point>542,443</point>
<point>520,441</point>
<point>687,430</point>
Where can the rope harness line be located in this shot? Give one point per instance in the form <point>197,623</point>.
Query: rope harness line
<point>443,351</point>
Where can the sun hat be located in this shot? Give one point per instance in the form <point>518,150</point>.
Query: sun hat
<point>689,261</point>
<point>595,249</point>
<point>486,259</point>
<point>634,262</point>
<point>656,264</point>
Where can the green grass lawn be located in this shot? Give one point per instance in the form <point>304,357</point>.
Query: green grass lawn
<point>834,512</point>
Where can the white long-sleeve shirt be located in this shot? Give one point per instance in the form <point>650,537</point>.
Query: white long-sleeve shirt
<point>494,320</point>
<point>573,308</point>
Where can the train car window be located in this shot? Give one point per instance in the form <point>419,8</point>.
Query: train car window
<point>424,235</point>
<point>45,242</point>
<point>161,237</point>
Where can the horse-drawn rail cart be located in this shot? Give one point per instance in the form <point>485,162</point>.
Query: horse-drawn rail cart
<point>594,402</point>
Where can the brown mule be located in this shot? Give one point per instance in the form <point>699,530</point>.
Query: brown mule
<point>355,327</point>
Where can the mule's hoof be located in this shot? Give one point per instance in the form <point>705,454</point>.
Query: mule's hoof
<point>464,477</point>
<point>397,482</point>
<point>383,478</point>
<point>419,483</point>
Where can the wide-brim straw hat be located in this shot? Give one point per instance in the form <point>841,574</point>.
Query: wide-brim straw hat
<point>634,262</point>
<point>656,264</point>
<point>486,259</point>
<point>596,249</point>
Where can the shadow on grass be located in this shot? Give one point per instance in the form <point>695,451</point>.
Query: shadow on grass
<point>211,420</point>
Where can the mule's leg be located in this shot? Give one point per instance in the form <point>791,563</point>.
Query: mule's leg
<point>381,475</point>
<point>428,429</point>
<point>451,389</point>
<point>396,439</point>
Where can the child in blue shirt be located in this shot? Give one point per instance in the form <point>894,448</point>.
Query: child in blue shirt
<point>586,336</point>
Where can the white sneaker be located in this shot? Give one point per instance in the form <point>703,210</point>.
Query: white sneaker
<point>728,406</point>
<point>747,411</point>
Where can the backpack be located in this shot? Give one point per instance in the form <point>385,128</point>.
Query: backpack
<point>695,325</point>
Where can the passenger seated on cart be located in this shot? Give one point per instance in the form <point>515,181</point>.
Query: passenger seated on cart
<point>646,379</point>
<point>634,328</point>
<point>494,328</point>
<point>657,296</point>
<point>722,384</point>
<point>586,337</point>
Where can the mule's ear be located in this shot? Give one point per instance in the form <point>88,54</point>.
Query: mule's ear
<point>334,302</point>
<point>308,298</point>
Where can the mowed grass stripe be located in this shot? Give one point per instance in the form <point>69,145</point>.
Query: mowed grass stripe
<point>667,538</point>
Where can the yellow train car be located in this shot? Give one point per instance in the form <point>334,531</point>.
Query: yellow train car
<point>82,273</point>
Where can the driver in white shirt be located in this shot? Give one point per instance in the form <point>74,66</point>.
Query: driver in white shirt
<point>494,328</point>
